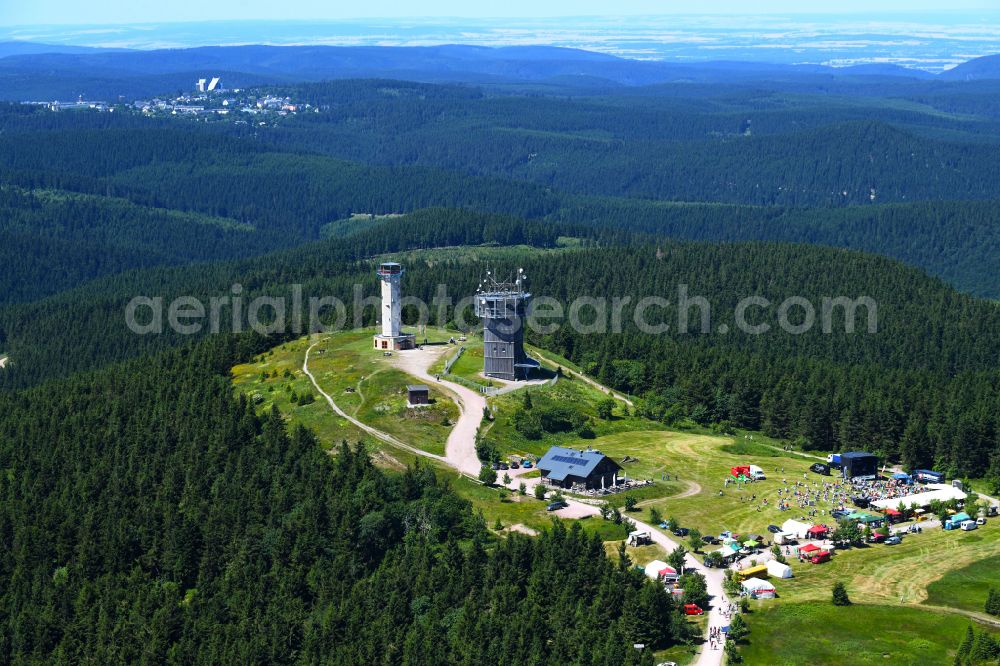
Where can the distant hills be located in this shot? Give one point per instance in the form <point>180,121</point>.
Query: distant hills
<point>987,67</point>
<point>39,71</point>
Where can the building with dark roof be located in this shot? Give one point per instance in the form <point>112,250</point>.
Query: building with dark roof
<point>418,394</point>
<point>859,464</point>
<point>566,468</point>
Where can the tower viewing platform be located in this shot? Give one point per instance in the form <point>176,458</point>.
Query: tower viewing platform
<point>503,308</point>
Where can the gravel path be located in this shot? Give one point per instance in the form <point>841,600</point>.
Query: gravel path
<point>460,449</point>
<point>378,434</point>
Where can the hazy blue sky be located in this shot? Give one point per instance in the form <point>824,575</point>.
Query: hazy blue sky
<point>50,12</point>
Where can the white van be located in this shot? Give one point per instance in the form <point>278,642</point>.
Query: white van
<point>969,525</point>
<point>756,473</point>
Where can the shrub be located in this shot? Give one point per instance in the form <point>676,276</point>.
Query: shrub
<point>487,475</point>
<point>840,597</point>
<point>606,408</point>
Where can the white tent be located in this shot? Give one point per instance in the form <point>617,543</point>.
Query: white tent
<point>758,588</point>
<point>778,570</point>
<point>799,529</point>
<point>938,491</point>
<point>657,569</point>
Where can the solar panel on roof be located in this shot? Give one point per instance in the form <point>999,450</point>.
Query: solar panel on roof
<point>567,460</point>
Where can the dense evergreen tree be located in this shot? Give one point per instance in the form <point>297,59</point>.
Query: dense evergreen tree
<point>150,516</point>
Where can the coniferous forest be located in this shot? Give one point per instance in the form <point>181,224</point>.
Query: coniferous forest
<point>149,515</point>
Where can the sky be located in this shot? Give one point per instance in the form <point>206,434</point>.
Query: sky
<point>59,12</point>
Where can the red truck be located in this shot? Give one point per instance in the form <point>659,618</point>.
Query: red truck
<point>693,609</point>
<point>821,556</point>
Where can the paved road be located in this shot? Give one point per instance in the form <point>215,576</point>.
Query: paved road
<point>460,454</point>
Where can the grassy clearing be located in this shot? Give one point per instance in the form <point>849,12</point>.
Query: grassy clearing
<point>353,224</point>
<point>512,255</point>
<point>821,633</point>
<point>966,587</point>
<point>362,382</point>
<point>705,460</point>
<point>582,397</point>
<point>470,364</point>
<point>283,367</point>
<point>894,574</point>
<point>384,407</point>
<point>640,555</point>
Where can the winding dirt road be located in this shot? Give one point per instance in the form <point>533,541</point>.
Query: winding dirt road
<point>378,434</point>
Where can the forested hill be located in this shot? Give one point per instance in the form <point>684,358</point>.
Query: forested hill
<point>54,240</point>
<point>932,365</point>
<point>148,516</point>
<point>811,170</point>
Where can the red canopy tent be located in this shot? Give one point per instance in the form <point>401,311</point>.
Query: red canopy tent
<point>809,548</point>
<point>817,531</point>
<point>740,470</point>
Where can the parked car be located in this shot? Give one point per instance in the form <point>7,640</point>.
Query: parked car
<point>527,464</point>
<point>820,557</point>
<point>515,465</point>
<point>555,506</point>
<point>980,521</point>
<point>681,531</point>
<point>840,513</point>
<point>495,466</point>
<point>969,525</point>
<point>504,466</point>
<point>774,529</point>
<point>693,609</point>
<point>893,541</point>
<point>861,502</point>
<point>820,468</point>
<point>708,538</point>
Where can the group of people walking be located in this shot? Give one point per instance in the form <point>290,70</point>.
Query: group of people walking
<point>715,637</point>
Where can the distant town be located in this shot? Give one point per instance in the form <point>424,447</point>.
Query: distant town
<point>207,99</point>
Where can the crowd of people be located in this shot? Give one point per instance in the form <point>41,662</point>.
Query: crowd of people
<point>880,489</point>
<point>820,497</point>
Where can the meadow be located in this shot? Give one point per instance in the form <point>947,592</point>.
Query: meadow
<point>912,601</point>
<point>361,381</point>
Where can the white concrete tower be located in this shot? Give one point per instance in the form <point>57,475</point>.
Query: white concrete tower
<point>390,274</point>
